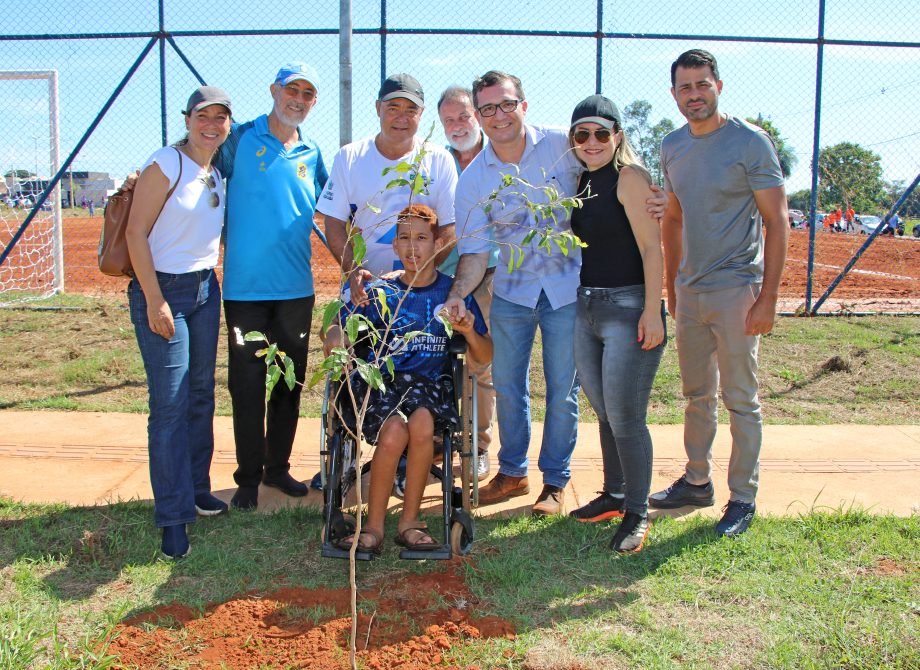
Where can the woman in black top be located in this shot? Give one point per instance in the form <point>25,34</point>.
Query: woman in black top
<point>619,328</point>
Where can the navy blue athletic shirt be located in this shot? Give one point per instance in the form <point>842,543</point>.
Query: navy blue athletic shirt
<point>424,355</point>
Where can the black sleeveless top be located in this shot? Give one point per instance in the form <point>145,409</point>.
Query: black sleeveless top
<point>612,257</point>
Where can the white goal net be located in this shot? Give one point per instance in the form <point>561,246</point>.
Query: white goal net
<point>29,158</point>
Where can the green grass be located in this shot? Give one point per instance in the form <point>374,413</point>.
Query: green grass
<point>80,354</point>
<point>829,589</point>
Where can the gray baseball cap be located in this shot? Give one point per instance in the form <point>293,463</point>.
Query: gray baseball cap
<point>206,96</point>
<point>402,86</point>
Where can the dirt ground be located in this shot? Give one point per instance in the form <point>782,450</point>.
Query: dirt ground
<point>410,624</point>
<point>889,268</point>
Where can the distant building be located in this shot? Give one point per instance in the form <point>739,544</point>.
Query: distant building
<point>95,186</point>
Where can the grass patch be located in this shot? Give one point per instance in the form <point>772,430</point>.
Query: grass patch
<point>828,589</point>
<point>81,355</point>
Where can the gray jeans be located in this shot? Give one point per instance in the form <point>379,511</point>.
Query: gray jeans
<point>616,375</point>
<point>714,351</point>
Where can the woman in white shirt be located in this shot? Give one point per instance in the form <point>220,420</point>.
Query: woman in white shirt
<point>173,237</point>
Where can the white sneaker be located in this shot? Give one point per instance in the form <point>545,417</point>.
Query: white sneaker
<point>484,468</point>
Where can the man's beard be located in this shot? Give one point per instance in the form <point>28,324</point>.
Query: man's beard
<point>464,144</point>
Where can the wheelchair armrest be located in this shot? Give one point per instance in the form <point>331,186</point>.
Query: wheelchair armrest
<point>457,344</point>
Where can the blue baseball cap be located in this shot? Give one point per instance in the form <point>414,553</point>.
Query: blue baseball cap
<point>294,71</point>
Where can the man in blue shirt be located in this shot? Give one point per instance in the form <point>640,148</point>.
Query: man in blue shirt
<point>274,177</point>
<point>540,292</point>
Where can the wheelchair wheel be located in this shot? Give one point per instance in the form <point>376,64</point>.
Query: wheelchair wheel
<point>460,541</point>
<point>339,479</point>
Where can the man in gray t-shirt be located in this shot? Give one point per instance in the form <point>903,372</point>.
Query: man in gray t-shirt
<point>724,186</point>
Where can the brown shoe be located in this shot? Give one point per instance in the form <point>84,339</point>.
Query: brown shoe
<point>550,501</point>
<point>503,487</point>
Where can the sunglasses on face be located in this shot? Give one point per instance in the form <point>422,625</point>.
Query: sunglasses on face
<point>582,135</point>
<point>210,182</point>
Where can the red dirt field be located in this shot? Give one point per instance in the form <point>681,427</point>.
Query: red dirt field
<point>888,270</point>
<point>414,622</point>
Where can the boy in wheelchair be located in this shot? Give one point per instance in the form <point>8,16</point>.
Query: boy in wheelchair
<point>418,399</point>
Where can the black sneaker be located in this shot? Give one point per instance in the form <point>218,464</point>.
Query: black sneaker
<point>605,506</point>
<point>246,498</point>
<point>736,518</point>
<point>286,484</point>
<point>175,544</point>
<point>209,505</point>
<point>682,493</point>
<point>631,534</point>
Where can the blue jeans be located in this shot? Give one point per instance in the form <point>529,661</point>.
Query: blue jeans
<point>513,330</point>
<point>617,377</point>
<point>180,383</point>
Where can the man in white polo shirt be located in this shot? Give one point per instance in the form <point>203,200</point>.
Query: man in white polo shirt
<point>357,192</point>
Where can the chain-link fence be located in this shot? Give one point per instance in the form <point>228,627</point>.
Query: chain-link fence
<point>832,80</point>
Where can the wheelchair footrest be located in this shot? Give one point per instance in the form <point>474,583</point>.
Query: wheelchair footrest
<point>440,553</point>
<point>332,551</point>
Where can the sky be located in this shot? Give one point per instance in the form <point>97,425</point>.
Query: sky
<point>870,93</point>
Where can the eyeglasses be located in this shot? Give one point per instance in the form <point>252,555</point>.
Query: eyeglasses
<point>582,135</point>
<point>211,183</point>
<point>507,106</point>
<point>294,92</point>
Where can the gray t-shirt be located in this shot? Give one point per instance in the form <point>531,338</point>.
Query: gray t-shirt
<point>714,177</point>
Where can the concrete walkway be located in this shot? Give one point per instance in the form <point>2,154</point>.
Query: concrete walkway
<point>95,458</point>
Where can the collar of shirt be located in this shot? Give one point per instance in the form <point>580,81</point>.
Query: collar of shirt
<point>261,127</point>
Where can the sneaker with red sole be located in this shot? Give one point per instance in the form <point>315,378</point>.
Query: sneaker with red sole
<point>605,506</point>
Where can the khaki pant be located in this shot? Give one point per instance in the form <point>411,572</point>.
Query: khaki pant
<point>715,352</point>
<point>485,392</point>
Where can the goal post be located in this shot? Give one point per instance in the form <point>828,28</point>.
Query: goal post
<point>34,269</point>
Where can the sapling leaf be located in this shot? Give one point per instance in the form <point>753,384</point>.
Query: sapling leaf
<point>253,336</point>
<point>445,321</point>
<point>332,310</point>
<point>391,366</point>
<point>396,183</point>
<point>358,247</point>
<point>272,377</point>
<point>289,377</point>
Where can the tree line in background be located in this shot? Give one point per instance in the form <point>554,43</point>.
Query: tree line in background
<point>849,175</point>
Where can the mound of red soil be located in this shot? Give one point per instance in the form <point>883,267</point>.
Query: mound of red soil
<point>407,622</point>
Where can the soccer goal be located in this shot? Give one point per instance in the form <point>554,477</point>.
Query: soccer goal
<point>29,158</point>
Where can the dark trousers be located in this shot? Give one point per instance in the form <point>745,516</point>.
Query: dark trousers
<point>264,434</point>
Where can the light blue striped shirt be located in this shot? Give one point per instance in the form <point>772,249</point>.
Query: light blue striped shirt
<point>547,160</point>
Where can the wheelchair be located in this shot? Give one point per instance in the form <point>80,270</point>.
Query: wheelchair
<point>339,475</point>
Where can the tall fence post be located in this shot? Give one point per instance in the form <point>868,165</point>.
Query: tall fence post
<point>345,72</point>
<point>599,63</point>
<point>162,44</point>
<point>383,41</point>
<point>815,152</point>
